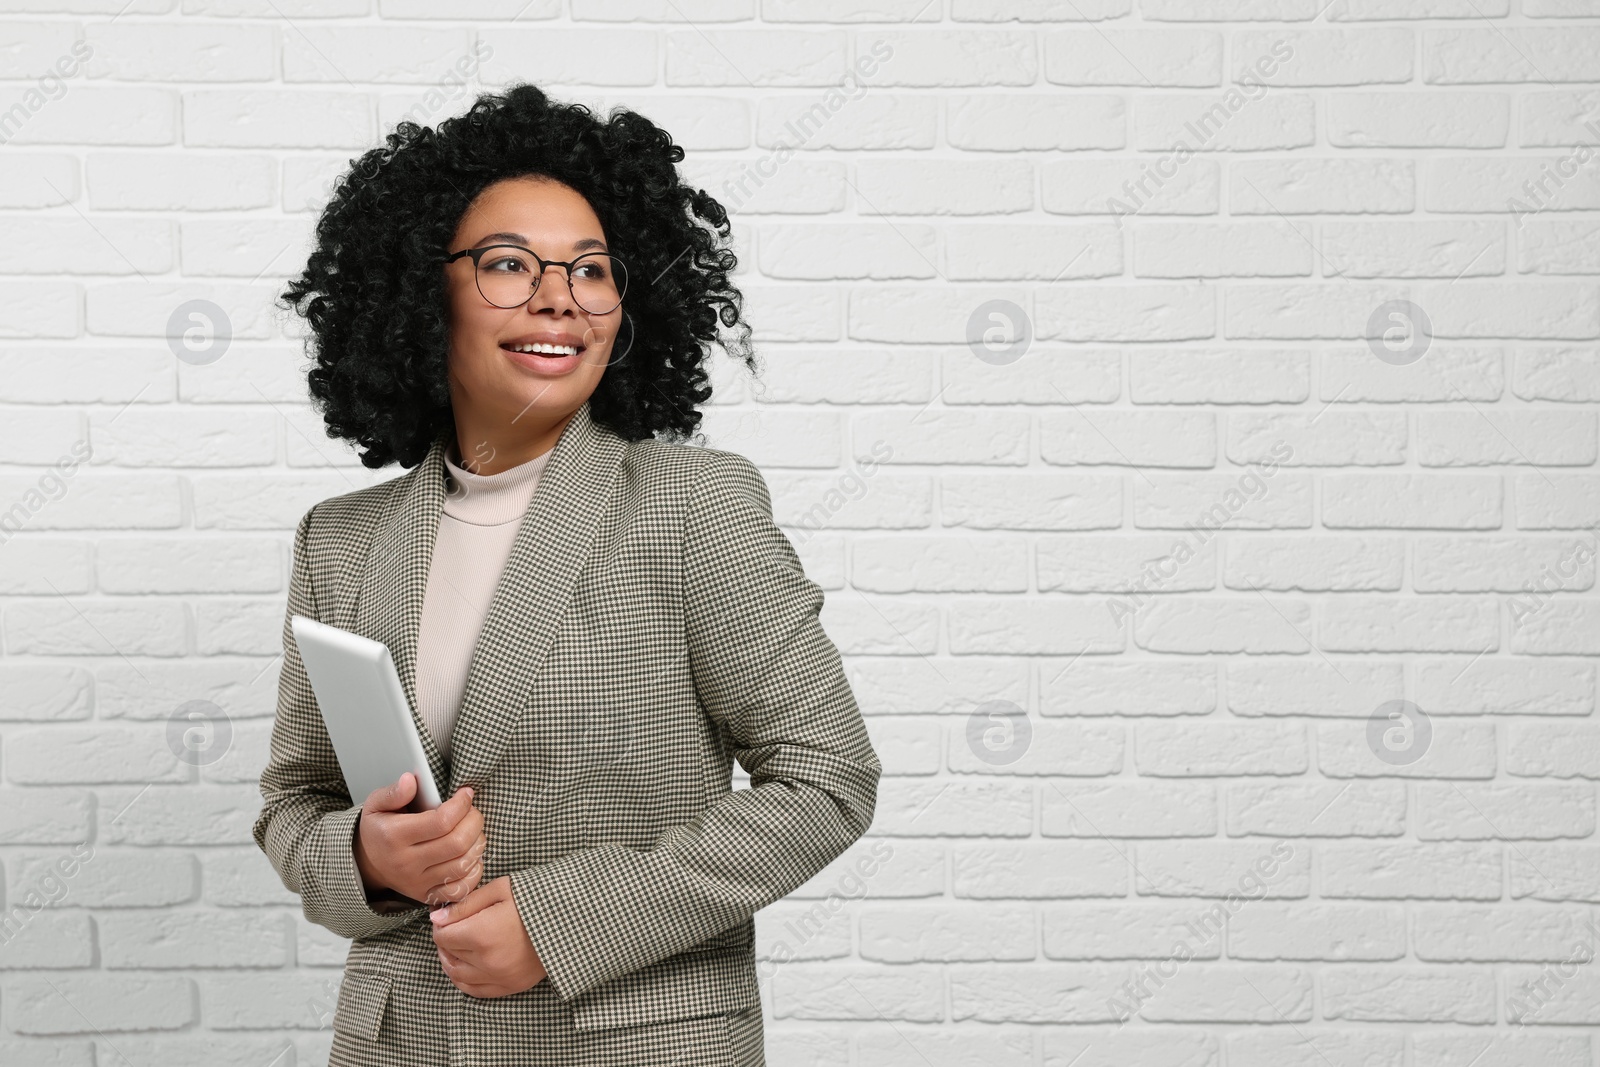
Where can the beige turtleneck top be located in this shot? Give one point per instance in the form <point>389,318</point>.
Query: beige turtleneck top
<point>482,514</point>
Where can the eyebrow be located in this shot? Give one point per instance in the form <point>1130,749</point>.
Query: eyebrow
<point>582,245</point>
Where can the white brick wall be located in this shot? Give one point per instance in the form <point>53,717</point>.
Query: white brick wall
<point>1172,561</point>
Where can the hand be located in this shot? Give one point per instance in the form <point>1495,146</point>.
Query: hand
<point>483,946</point>
<point>430,856</point>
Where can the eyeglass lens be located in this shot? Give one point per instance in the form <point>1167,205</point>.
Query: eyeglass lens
<point>508,276</point>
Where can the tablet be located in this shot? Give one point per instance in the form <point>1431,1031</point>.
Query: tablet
<point>365,710</point>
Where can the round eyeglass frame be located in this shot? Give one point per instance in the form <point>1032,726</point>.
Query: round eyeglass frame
<point>538,279</point>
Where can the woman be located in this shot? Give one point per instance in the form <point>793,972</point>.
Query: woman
<point>590,618</point>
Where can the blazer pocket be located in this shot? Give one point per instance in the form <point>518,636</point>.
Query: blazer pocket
<point>363,996</point>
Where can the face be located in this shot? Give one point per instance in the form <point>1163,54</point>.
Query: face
<point>511,405</point>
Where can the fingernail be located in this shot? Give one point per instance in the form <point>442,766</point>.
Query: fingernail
<point>438,913</point>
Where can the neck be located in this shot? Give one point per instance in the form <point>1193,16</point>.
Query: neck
<point>489,451</point>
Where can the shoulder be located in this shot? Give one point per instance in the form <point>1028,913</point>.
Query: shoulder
<point>344,521</point>
<point>696,477</point>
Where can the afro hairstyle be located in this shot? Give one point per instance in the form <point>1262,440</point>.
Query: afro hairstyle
<point>373,289</point>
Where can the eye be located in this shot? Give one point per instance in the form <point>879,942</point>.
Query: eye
<point>504,264</point>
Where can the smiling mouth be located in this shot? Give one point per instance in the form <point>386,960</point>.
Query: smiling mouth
<point>553,351</point>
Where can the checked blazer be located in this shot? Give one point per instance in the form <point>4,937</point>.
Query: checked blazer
<point>651,625</point>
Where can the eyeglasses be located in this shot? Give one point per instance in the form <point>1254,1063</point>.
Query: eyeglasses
<point>510,277</point>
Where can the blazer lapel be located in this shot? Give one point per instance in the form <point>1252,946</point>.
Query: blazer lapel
<point>538,580</point>
<point>535,587</point>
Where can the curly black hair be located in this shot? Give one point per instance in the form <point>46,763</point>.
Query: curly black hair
<point>373,289</point>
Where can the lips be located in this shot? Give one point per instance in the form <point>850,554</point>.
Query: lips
<point>545,364</point>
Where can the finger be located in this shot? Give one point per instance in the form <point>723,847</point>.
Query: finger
<point>392,797</point>
<point>438,823</point>
<point>452,845</point>
<point>455,867</point>
<point>453,891</point>
<point>473,989</point>
<point>465,968</point>
<point>465,908</point>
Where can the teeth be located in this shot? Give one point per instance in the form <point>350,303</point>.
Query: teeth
<point>549,350</point>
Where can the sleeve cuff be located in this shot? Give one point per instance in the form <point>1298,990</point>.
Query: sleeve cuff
<point>345,893</point>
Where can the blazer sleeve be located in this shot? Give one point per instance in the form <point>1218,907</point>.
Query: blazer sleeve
<point>307,823</point>
<point>771,679</point>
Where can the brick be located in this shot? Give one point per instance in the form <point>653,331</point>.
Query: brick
<point>1319,809</point>
<point>1504,565</point>
<point>948,187</point>
<point>1223,376</point>
<point>987,121</point>
<point>1325,439</point>
<point>1419,120</point>
<point>1193,625</point>
<point>1314,931</point>
<point>1145,58</point>
<point>1407,994</point>
<point>1228,122</point>
<point>1133,438</point>
<point>268,118</point>
<point>1446,372</point>
<point>1041,253</point>
<point>933,58</point>
<point>1317,687</point>
<point>1492,811</point>
<point>1323,57</point>
<point>1126,313</point>
<point>1467,56</point>
<point>1321,186</point>
<point>1517,185</point>
<point>1570,375</point>
<point>1188,749</point>
<point>1480,438</point>
<point>1557,247</point>
<point>1391,249</point>
<point>1412,501</point>
<point>1456,749</point>
<point>1205,250</point>
<point>155,52</point>
<point>1249,500</point>
<point>1316,564</point>
<point>1410,871</point>
<point>1385,624</point>
<point>1158,186</point>
<point>1038,870</point>
<point>139,181</point>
